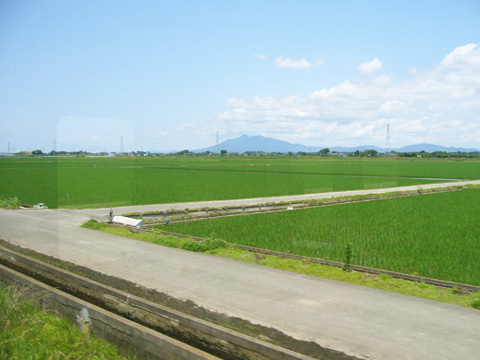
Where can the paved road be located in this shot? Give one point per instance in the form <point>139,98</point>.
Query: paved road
<point>195,205</point>
<point>349,318</point>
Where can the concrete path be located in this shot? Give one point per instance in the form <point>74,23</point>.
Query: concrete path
<point>359,321</point>
<point>239,202</point>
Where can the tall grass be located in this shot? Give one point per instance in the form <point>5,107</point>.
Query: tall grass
<point>26,332</point>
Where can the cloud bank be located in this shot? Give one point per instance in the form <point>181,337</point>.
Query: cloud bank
<point>441,105</point>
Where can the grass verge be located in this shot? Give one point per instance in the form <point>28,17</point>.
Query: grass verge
<point>166,240</point>
<point>380,282</point>
<point>27,332</point>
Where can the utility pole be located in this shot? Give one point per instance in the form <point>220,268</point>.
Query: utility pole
<point>387,142</point>
<point>218,152</point>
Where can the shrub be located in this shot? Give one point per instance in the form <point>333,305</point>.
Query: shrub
<point>93,225</point>
<point>202,246</point>
<point>348,258</point>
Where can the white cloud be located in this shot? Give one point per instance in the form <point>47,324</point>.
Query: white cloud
<point>441,105</point>
<point>383,80</point>
<point>370,67</point>
<point>392,108</point>
<point>412,71</point>
<point>234,102</point>
<point>188,126</point>
<point>286,63</point>
<point>261,56</point>
<point>463,56</point>
<point>345,88</point>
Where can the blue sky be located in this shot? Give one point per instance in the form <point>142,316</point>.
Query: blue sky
<point>168,75</point>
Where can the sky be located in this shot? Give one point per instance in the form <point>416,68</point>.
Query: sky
<point>169,75</point>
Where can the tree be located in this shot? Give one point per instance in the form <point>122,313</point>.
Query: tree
<point>324,152</point>
<point>37,152</point>
<point>223,152</point>
<point>370,152</point>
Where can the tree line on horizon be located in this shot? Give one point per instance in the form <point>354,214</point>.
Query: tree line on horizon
<point>322,153</point>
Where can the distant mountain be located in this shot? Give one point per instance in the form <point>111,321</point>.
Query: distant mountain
<point>260,143</point>
<point>431,148</point>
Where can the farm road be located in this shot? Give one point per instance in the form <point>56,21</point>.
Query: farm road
<point>358,321</point>
<point>102,212</point>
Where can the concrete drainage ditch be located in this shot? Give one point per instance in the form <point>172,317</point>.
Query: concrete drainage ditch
<point>145,327</point>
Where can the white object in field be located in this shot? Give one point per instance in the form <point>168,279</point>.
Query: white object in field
<point>127,221</point>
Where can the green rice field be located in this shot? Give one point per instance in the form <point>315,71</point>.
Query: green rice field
<point>434,235</point>
<point>89,182</point>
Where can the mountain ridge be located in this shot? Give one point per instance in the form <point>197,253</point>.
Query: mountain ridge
<point>247,143</point>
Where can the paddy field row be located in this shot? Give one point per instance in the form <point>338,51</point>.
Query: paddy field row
<point>104,182</point>
<point>433,235</point>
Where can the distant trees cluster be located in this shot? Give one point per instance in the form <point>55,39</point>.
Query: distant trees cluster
<point>438,154</point>
<point>326,152</point>
<point>323,153</point>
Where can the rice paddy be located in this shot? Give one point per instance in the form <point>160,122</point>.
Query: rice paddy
<point>434,235</point>
<point>105,182</point>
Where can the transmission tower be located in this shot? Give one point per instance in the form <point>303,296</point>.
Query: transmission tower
<point>387,142</point>
<point>121,145</point>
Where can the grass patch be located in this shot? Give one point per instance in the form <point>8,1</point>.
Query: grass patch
<point>93,225</point>
<point>26,332</point>
<point>381,282</point>
<point>157,238</point>
<point>10,203</point>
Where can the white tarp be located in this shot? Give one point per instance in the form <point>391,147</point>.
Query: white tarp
<point>127,221</point>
